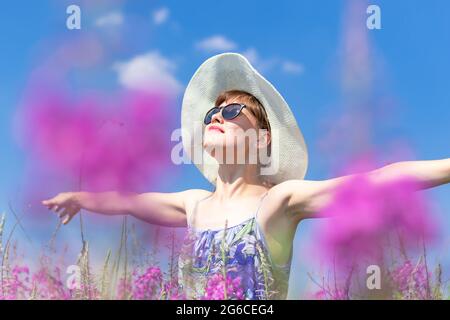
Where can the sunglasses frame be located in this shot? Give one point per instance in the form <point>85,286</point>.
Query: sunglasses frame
<point>221,109</point>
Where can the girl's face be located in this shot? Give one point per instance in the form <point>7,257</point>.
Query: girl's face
<point>230,141</point>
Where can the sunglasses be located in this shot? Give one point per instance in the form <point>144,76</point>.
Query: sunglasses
<point>229,112</point>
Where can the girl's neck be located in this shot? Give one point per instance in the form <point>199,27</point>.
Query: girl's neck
<point>238,181</point>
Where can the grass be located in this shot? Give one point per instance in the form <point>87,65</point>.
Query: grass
<point>132,272</point>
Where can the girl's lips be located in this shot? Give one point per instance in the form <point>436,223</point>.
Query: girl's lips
<point>216,128</point>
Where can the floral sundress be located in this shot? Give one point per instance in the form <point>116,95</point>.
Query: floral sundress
<point>240,252</point>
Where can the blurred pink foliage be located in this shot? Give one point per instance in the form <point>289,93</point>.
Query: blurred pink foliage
<point>108,146</point>
<point>363,216</point>
<point>324,294</point>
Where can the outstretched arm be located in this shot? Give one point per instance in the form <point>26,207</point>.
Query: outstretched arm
<point>167,209</point>
<point>304,199</point>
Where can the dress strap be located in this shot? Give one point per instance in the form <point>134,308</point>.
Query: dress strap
<point>260,203</point>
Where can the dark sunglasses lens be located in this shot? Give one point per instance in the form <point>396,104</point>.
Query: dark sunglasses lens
<point>231,111</point>
<point>210,114</point>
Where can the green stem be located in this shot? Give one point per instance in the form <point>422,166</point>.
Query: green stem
<point>224,260</point>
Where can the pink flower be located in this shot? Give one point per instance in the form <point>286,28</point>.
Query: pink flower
<point>16,285</point>
<point>148,286</point>
<point>49,285</point>
<point>172,292</point>
<point>411,281</point>
<point>215,288</point>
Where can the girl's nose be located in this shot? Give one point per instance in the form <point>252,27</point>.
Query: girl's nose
<point>217,117</point>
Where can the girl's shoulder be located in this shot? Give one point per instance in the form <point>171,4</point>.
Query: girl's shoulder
<point>197,193</point>
<point>192,196</point>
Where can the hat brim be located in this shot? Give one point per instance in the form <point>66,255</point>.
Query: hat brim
<point>232,71</point>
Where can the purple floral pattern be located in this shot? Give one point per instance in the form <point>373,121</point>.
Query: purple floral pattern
<point>241,252</point>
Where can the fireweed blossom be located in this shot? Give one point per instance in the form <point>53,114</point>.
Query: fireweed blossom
<point>363,215</point>
<point>411,280</point>
<point>20,284</point>
<point>148,285</point>
<point>49,285</point>
<point>217,286</point>
<point>15,285</point>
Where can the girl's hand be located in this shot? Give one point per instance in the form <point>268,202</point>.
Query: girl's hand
<point>65,205</point>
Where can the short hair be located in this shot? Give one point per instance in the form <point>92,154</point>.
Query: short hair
<point>253,104</point>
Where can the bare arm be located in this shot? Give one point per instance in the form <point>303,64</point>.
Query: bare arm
<point>304,199</point>
<point>167,209</point>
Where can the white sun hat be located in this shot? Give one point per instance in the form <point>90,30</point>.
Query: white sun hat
<point>232,71</point>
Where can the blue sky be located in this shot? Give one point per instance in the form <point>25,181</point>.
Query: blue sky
<point>295,44</point>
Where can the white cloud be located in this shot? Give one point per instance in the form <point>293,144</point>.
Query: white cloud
<point>216,43</point>
<point>148,72</point>
<point>252,55</point>
<point>261,64</point>
<point>109,20</point>
<point>268,64</point>
<point>161,15</point>
<point>292,67</point>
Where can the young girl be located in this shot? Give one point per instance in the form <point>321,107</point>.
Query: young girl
<point>246,226</point>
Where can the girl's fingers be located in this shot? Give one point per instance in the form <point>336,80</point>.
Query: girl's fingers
<point>64,213</point>
<point>66,219</point>
<point>57,208</point>
<point>48,203</point>
<point>69,217</point>
<point>52,206</point>
<point>68,214</point>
